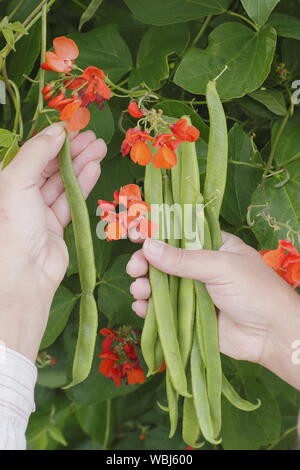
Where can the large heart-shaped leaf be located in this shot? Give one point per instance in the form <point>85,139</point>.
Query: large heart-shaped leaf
<point>273,100</point>
<point>248,55</point>
<point>61,308</point>
<point>288,146</point>
<point>156,46</point>
<point>159,12</point>
<point>242,178</point>
<point>276,210</point>
<point>259,10</point>
<point>104,48</point>
<point>286,25</point>
<point>114,296</point>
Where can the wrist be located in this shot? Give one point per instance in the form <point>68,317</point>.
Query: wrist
<point>281,353</point>
<point>24,308</point>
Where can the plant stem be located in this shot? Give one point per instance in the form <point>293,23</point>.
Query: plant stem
<point>14,11</point>
<point>283,436</point>
<point>108,425</point>
<point>232,13</point>
<point>275,144</point>
<point>40,104</point>
<point>201,31</point>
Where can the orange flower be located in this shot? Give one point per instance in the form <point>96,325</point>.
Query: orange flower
<point>285,260</point>
<point>135,376</point>
<point>136,143</point>
<point>184,132</point>
<point>165,157</point>
<point>63,57</point>
<point>134,110</point>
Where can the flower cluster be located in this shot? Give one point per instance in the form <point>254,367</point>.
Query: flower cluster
<point>285,260</point>
<point>127,211</point>
<point>120,361</point>
<point>71,94</point>
<point>164,144</point>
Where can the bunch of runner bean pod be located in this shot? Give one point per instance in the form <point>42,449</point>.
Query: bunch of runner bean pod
<point>181,322</point>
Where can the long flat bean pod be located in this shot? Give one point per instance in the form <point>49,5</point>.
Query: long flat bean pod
<point>161,297</point>
<point>201,401</point>
<point>190,426</point>
<point>172,397</point>
<point>217,157</point>
<point>234,398</point>
<point>149,338</point>
<point>86,265</point>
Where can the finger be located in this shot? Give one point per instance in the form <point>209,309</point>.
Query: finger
<point>232,243</point>
<point>140,308</point>
<point>87,180</point>
<point>54,186</point>
<point>135,236</point>
<point>203,265</point>
<point>34,156</point>
<point>78,144</point>
<point>137,265</point>
<point>140,289</point>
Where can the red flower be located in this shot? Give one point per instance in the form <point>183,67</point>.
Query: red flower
<point>184,132</point>
<point>63,57</point>
<point>285,260</point>
<point>136,143</point>
<point>135,375</point>
<point>96,89</point>
<point>165,157</point>
<point>121,362</point>
<point>134,110</point>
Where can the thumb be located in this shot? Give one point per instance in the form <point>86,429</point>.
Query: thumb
<point>202,265</point>
<point>35,154</point>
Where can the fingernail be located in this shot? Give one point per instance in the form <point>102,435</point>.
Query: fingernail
<point>132,287</point>
<point>134,306</point>
<point>128,267</point>
<point>153,248</point>
<point>55,130</point>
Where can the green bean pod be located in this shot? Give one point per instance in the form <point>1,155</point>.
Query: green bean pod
<point>86,265</point>
<point>217,157</point>
<point>172,397</point>
<point>234,398</point>
<point>149,338</point>
<point>190,426</point>
<point>207,332</point>
<point>200,394</point>
<point>161,297</point>
<point>159,355</point>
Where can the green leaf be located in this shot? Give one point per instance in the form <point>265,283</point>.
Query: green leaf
<point>10,153</point>
<point>259,10</point>
<point>92,420</point>
<point>277,210</point>
<point>23,60</point>
<point>88,14</point>
<point>6,138</point>
<point>164,12</point>
<point>286,25</point>
<point>102,122</point>
<point>104,48</point>
<point>248,55</point>
<point>250,430</point>
<point>152,61</point>
<point>114,296</point>
<point>57,435</point>
<point>288,147</point>
<point>242,180</point>
<point>9,37</point>
<point>61,308</point>
<point>273,100</point>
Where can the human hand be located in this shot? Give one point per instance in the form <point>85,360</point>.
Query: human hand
<point>259,314</point>
<point>33,214</point>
